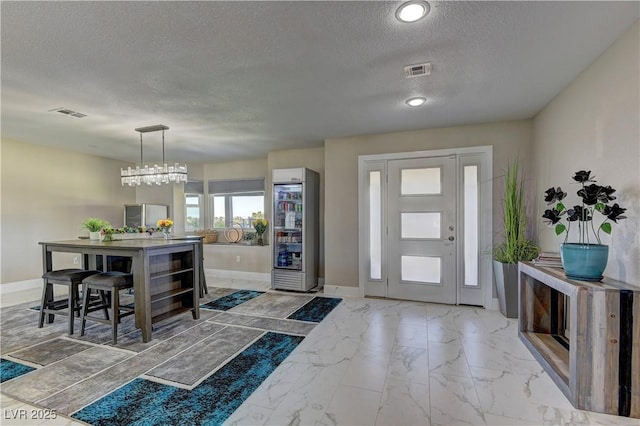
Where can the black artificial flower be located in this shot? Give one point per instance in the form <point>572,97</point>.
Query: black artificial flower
<point>578,213</point>
<point>614,212</point>
<point>583,176</point>
<point>554,194</point>
<point>590,194</point>
<point>552,216</point>
<point>605,194</point>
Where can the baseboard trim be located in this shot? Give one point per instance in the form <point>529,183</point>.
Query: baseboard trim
<point>239,275</point>
<point>493,305</point>
<point>341,291</point>
<point>16,286</point>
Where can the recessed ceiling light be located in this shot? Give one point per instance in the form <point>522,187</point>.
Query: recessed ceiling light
<point>412,11</point>
<point>417,101</point>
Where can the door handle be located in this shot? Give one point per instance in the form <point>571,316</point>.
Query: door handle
<point>451,238</point>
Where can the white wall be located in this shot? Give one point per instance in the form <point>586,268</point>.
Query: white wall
<point>46,194</point>
<point>594,125</point>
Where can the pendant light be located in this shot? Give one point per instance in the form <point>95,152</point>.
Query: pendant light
<point>155,174</point>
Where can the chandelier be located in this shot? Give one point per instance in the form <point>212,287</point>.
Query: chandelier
<point>158,174</point>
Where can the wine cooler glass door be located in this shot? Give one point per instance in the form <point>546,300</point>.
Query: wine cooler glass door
<point>287,226</point>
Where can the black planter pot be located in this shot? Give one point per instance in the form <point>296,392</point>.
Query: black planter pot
<point>506,279</point>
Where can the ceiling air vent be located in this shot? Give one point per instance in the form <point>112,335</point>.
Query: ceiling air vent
<point>67,111</point>
<point>416,70</point>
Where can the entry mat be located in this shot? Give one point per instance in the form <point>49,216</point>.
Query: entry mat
<point>181,389</point>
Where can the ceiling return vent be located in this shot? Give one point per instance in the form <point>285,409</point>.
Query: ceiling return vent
<point>67,111</point>
<point>417,70</point>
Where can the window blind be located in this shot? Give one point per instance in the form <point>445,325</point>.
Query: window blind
<point>236,185</point>
<point>194,187</point>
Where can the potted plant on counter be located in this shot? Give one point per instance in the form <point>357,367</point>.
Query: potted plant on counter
<point>260,226</point>
<point>586,259</point>
<point>94,225</point>
<point>516,246</point>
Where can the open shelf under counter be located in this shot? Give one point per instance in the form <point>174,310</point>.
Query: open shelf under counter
<point>169,294</point>
<point>171,272</point>
<point>168,314</point>
<point>172,284</point>
<point>583,335</point>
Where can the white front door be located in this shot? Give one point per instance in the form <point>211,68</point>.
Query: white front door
<point>422,221</point>
<point>425,225</point>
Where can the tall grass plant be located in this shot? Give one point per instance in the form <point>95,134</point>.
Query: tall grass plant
<point>516,246</point>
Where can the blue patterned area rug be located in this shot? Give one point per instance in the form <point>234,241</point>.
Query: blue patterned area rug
<point>10,370</point>
<point>231,301</point>
<point>143,402</point>
<point>316,309</point>
<point>212,401</point>
<point>194,373</point>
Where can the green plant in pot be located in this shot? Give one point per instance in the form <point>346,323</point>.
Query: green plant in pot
<point>586,259</point>
<point>94,225</point>
<point>516,246</point>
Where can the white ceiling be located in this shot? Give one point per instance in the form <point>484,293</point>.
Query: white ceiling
<point>235,80</point>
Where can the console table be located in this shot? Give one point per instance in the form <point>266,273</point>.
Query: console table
<point>166,273</point>
<point>586,336</point>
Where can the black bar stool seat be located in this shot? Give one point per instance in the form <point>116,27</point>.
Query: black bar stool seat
<point>72,278</point>
<point>112,282</point>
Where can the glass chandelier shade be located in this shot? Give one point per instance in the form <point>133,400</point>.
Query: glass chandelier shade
<point>153,174</point>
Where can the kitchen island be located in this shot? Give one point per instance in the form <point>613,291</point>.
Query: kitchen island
<point>166,273</point>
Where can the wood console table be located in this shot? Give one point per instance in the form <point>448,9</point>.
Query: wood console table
<point>166,273</point>
<point>586,336</point>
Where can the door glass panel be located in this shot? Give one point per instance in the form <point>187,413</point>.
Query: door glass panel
<point>420,181</point>
<point>420,269</point>
<point>375,226</point>
<point>471,226</point>
<point>420,225</point>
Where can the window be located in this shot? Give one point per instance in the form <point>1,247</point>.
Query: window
<point>236,202</point>
<point>193,194</point>
<point>192,212</point>
<point>471,206</point>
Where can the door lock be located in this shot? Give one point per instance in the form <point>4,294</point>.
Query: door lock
<point>451,238</point>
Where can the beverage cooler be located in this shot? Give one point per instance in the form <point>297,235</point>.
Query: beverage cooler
<point>295,234</point>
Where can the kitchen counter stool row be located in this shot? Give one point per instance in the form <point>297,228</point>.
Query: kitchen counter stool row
<point>107,286</point>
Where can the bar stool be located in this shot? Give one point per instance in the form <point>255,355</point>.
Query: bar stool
<point>71,278</point>
<point>113,282</point>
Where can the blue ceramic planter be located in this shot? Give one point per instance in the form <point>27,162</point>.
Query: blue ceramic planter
<point>585,262</point>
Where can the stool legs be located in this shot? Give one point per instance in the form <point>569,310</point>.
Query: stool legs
<point>47,296</point>
<point>105,303</point>
<point>73,300</point>
<point>86,303</point>
<point>85,307</point>
<point>115,308</point>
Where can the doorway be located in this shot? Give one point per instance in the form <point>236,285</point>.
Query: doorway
<point>425,226</point>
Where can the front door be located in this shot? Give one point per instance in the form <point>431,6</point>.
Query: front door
<point>422,218</point>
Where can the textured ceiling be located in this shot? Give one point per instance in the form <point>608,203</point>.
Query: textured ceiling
<point>235,80</point>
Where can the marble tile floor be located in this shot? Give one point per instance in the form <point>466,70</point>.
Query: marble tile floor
<point>379,362</point>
